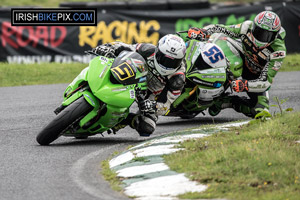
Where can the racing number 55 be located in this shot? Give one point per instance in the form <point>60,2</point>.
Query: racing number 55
<point>214,54</point>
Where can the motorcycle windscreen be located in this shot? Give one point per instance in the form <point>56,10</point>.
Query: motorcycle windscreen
<point>124,74</point>
<point>128,68</point>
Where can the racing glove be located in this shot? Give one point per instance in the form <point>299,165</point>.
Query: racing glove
<point>198,34</point>
<point>106,50</point>
<point>147,106</point>
<point>240,85</point>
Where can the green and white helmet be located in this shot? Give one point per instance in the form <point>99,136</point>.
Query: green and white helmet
<point>265,28</point>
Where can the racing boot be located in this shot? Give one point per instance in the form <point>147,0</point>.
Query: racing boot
<point>144,124</point>
<point>262,102</point>
<point>248,106</point>
<point>238,103</point>
<point>220,104</point>
<point>125,122</point>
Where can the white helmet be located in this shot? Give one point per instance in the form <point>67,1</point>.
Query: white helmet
<point>169,54</point>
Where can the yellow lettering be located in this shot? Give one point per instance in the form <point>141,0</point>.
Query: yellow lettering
<point>133,35</point>
<point>119,30</point>
<point>101,34</point>
<point>154,37</point>
<point>84,35</point>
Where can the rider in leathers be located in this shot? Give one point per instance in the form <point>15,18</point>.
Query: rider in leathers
<point>264,50</point>
<point>165,80</point>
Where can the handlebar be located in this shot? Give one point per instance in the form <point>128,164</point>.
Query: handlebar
<point>179,32</point>
<point>110,52</point>
<point>91,52</point>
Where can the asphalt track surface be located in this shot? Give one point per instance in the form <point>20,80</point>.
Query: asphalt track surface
<point>70,168</point>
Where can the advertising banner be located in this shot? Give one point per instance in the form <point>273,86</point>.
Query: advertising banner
<point>35,44</point>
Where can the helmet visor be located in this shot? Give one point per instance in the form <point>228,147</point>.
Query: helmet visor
<point>263,35</point>
<point>167,62</point>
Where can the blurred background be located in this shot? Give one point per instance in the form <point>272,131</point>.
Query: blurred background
<point>131,22</point>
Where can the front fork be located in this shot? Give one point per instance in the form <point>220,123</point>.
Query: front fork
<point>82,90</point>
<point>89,97</point>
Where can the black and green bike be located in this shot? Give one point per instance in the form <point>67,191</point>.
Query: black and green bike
<point>98,98</point>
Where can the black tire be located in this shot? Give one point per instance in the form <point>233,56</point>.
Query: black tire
<point>81,137</point>
<point>63,120</point>
<point>189,116</point>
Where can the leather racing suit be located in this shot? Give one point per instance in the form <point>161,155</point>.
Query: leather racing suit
<point>162,89</point>
<point>260,65</point>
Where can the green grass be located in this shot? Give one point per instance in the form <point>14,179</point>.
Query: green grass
<point>35,74</point>
<point>291,63</point>
<point>111,176</point>
<point>257,161</point>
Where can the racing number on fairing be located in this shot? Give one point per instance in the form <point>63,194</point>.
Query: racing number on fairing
<point>124,71</point>
<point>214,54</point>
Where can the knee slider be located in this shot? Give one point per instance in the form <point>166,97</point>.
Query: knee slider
<point>176,82</point>
<point>146,126</point>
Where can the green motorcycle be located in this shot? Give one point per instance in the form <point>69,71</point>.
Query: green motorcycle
<point>211,66</point>
<point>99,97</point>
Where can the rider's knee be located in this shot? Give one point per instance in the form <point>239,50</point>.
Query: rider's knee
<point>176,82</point>
<point>146,125</point>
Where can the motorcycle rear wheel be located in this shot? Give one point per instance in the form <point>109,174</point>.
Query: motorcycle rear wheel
<point>63,120</point>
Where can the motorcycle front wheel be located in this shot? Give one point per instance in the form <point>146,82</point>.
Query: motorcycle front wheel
<point>63,120</point>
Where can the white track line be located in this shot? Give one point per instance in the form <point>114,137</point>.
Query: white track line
<point>142,169</point>
<point>165,186</point>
